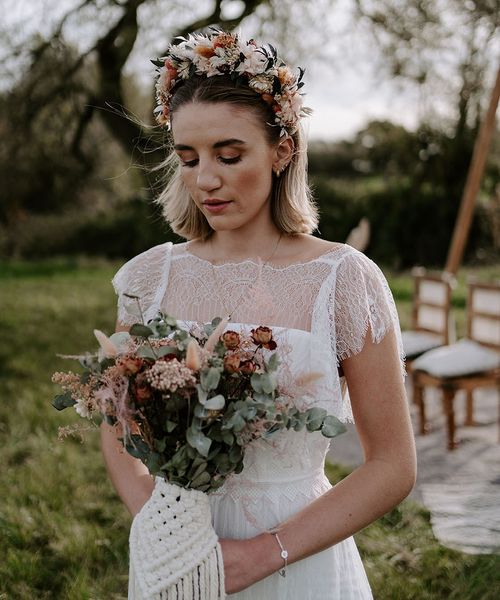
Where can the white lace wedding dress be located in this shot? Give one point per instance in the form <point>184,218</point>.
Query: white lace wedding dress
<point>320,312</point>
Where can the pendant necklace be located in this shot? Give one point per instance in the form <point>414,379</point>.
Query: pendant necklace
<point>229,311</point>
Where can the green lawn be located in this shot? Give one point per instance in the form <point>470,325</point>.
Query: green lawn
<point>63,533</point>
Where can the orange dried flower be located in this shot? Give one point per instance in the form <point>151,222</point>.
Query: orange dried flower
<point>232,363</point>
<point>129,365</point>
<point>231,340</point>
<point>247,367</point>
<point>263,336</point>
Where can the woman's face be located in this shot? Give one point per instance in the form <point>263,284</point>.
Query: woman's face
<point>227,163</point>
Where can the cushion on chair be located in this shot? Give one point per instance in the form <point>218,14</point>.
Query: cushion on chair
<point>458,360</point>
<point>417,342</point>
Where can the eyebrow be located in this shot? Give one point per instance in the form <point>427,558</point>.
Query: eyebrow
<point>222,143</point>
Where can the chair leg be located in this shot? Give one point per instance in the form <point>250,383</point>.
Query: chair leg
<point>469,409</point>
<point>418,399</point>
<point>448,397</point>
<point>498,415</point>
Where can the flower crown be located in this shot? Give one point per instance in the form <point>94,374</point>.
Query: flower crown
<point>221,53</point>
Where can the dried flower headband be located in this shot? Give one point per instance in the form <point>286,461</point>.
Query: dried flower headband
<point>221,53</point>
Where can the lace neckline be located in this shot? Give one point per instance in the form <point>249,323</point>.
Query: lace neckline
<point>186,252</point>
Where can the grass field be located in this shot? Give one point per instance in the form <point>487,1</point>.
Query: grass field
<point>63,533</point>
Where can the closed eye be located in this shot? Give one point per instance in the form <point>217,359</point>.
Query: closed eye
<point>189,163</point>
<point>226,161</point>
<point>230,161</point>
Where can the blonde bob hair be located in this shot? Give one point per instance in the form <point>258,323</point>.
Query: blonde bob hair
<point>292,207</point>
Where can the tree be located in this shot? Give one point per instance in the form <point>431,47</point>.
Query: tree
<point>68,94</point>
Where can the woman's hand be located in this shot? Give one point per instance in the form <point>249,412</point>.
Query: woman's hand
<point>248,561</point>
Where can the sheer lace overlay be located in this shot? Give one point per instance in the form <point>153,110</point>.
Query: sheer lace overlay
<point>321,312</point>
<point>339,297</point>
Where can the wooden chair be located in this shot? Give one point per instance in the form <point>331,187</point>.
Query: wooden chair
<point>471,363</point>
<point>432,325</point>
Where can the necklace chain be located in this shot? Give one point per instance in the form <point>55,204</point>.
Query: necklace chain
<point>230,311</point>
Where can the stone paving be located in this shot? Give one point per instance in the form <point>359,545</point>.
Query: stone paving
<point>461,488</point>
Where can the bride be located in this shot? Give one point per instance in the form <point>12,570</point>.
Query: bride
<point>238,194</point>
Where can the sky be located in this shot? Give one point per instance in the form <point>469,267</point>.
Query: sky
<point>345,92</point>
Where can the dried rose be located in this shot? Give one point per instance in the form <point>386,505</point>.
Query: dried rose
<point>247,367</point>
<point>129,365</point>
<point>232,363</point>
<point>263,336</point>
<point>141,388</point>
<point>231,340</point>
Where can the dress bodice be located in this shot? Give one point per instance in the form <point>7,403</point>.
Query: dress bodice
<point>337,298</point>
<point>321,312</point>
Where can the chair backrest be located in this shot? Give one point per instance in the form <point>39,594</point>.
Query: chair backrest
<point>432,303</point>
<point>483,313</point>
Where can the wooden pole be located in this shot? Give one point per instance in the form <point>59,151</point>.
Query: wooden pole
<point>474,176</point>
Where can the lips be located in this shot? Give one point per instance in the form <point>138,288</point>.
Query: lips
<point>216,205</point>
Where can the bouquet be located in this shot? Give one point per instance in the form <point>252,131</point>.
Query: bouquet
<point>187,404</point>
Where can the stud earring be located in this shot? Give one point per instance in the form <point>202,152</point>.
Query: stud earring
<point>277,172</point>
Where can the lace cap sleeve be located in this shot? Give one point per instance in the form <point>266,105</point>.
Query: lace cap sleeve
<point>362,302</point>
<point>144,276</point>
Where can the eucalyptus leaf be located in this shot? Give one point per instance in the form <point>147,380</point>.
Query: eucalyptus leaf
<point>235,454</point>
<point>332,427</point>
<point>299,421</point>
<point>199,441</point>
<point>139,330</point>
<point>200,411</point>
<point>202,394</point>
<point>178,457</point>
<point>201,468</point>
<point>210,379</point>
<point>202,479</point>
<point>170,426</point>
<point>256,382</point>
<point>120,339</point>
<point>227,437</point>
<point>315,414</point>
<point>160,445</point>
<point>223,463</point>
<point>85,377</point>
<point>273,362</point>
<point>204,488</point>
<point>164,350</point>
<point>63,401</point>
<point>191,452</point>
<point>146,352</point>
<point>152,462</point>
<point>269,382</point>
<point>236,422</point>
<point>216,402</point>
<point>214,450</point>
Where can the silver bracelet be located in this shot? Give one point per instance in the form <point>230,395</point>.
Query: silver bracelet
<point>283,554</point>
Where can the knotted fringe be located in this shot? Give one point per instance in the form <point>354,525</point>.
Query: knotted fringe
<point>174,550</point>
<point>206,582</point>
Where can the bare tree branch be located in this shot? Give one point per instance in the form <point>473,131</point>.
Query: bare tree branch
<point>215,17</point>
<point>38,52</point>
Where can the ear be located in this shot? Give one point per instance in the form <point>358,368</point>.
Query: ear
<point>283,153</point>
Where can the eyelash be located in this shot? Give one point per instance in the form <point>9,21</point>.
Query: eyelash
<point>226,161</point>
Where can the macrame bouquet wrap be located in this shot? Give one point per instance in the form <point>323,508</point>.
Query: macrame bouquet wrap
<point>174,550</point>
<point>187,404</point>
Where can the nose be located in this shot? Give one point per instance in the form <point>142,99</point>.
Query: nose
<point>208,179</point>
